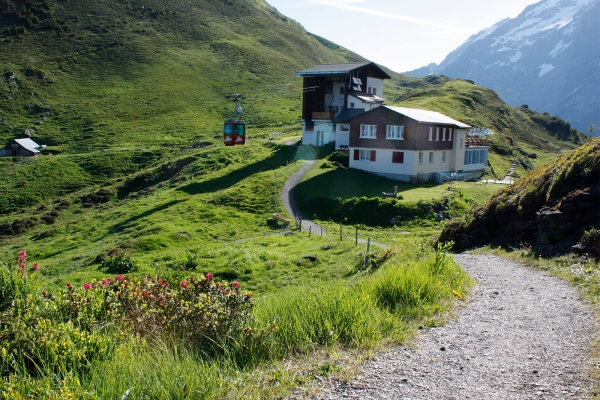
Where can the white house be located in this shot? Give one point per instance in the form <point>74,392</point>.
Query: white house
<point>414,145</point>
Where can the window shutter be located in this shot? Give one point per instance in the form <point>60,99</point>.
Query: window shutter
<point>356,154</point>
<point>372,155</point>
<point>398,157</point>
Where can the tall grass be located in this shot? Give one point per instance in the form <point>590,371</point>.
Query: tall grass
<point>377,306</point>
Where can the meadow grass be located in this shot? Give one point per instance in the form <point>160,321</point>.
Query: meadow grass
<point>361,311</point>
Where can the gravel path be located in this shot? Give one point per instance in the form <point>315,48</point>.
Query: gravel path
<point>287,197</point>
<point>524,335</point>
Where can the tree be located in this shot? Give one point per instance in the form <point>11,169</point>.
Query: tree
<point>592,128</point>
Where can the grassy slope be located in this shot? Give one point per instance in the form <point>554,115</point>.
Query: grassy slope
<point>497,220</point>
<point>124,88</point>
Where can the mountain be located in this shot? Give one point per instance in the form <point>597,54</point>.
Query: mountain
<point>548,58</point>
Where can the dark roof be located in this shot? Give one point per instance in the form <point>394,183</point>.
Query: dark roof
<point>348,114</point>
<point>337,69</point>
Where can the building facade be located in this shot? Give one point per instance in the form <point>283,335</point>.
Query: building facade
<point>330,90</point>
<point>413,145</point>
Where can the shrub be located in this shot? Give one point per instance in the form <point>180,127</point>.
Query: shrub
<point>120,264</point>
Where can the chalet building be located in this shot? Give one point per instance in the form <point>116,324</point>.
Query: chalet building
<point>337,90</point>
<point>343,104</point>
<point>414,145</point>
<point>21,148</point>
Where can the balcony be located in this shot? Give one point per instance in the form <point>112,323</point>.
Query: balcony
<point>322,116</point>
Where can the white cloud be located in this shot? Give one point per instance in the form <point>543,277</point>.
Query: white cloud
<point>346,5</point>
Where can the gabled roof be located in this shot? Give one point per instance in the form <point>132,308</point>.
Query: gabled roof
<point>426,116</point>
<point>28,144</point>
<point>338,69</point>
<point>348,114</point>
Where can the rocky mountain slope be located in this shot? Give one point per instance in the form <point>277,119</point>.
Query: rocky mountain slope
<point>548,58</point>
<point>554,209</point>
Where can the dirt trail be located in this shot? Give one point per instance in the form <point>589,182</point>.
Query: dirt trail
<point>523,335</point>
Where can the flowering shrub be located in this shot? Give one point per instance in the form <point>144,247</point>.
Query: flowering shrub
<point>79,324</point>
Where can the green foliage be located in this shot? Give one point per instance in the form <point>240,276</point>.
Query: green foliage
<point>120,264</point>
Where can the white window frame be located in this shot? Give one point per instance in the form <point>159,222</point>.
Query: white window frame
<point>364,155</point>
<point>431,157</point>
<point>368,131</point>
<point>395,132</point>
<point>430,133</point>
<point>420,157</point>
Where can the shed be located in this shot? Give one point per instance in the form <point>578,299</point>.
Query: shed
<point>21,148</point>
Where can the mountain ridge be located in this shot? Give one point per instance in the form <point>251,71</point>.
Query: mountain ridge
<point>546,58</point>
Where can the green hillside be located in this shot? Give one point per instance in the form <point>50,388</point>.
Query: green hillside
<point>551,209</point>
<point>129,98</point>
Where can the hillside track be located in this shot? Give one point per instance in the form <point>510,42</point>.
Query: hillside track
<point>522,335</point>
<point>289,204</point>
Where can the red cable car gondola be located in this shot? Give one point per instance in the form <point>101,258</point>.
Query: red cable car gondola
<point>234,130</point>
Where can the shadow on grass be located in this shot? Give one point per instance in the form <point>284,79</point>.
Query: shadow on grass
<point>122,225</point>
<point>279,159</point>
<point>349,183</point>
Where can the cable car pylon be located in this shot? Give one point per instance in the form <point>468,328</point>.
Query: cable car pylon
<point>234,130</point>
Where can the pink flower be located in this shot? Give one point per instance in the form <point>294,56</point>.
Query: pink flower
<point>44,293</point>
<point>236,284</point>
<point>22,255</point>
<point>209,276</point>
<point>21,265</point>
<point>119,278</point>
<point>36,266</point>
<point>105,282</point>
<point>69,285</point>
<point>184,284</point>
<point>87,286</point>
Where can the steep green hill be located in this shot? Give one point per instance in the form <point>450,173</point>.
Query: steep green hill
<point>129,98</point>
<point>552,209</point>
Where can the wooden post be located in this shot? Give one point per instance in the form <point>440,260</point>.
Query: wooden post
<point>309,231</point>
<point>321,231</point>
<point>340,231</point>
<point>368,244</point>
<point>357,235</point>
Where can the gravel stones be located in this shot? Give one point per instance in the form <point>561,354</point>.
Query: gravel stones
<point>523,335</point>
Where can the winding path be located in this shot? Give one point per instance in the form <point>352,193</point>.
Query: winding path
<point>287,198</point>
<point>523,335</point>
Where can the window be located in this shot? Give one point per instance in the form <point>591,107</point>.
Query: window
<point>369,90</point>
<point>443,134</point>
<point>344,128</point>
<point>449,134</point>
<point>461,143</point>
<point>430,134</point>
<point>368,131</point>
<point>351,105</point>
<point>443,156</point>
<point>437,134</point>
<point>475,157</point>
<point>398,157</point>
<point>364,155</point>
<point>431,157</point>
<point>395,132</point>
<point>341,90</point>
<point>374,91</point>
<point>420,157</point>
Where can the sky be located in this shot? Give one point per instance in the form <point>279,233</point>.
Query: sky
<point>400,34</point>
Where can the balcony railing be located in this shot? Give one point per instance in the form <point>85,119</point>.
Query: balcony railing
<point>322,116</point>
